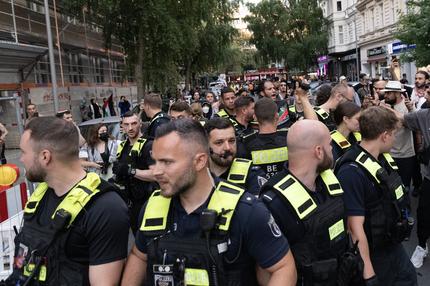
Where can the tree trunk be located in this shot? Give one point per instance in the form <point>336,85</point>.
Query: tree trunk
<point>188,76</point>
<point>138,70</point>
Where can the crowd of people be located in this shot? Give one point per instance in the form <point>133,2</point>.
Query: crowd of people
<point>264,185</point>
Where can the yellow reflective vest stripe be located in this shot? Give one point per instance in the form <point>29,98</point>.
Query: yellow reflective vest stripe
<point>223,200</point>
<point>276,155</point>
<point>222,113</point>
<point>75,200</point>
<point>357,136</point>
<point>340,140</point>
<point>321,112</point>
<point>298,196</point>
<point>390,161</point>
<point>373,167</point>
<point>239,171</point>
<point>137,146</point>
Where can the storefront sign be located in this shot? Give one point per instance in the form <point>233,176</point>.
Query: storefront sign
<point>376,51</point>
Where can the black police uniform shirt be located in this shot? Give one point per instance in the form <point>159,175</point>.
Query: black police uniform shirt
<point>358,187</point>
<point>254,180</point>
<point>99,234</point>
<point>241,130</point>
<point>252,224</point>
<point>161,118</point>
<point>258,142</point>
<point>284,215</point>
<point>140,189</point>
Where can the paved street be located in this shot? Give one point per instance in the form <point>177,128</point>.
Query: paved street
<point>423,273</point>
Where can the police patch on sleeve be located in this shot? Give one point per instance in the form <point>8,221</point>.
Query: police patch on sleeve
<point>274,228</point>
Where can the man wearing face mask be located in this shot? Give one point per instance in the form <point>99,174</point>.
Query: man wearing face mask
<point>223,161</point>
<point>131,169</point>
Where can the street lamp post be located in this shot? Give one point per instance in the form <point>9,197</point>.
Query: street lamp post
<point>51,56</point>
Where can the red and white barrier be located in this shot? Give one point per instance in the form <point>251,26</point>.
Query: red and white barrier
<point>12,201</point>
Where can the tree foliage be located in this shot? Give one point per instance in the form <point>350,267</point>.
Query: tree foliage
<point>414,28</point>
<point>293,32</point>
<point>164,39</point>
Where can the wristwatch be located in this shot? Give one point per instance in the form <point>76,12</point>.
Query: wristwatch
<point>132,172</point>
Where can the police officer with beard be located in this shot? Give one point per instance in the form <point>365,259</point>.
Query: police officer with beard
<point>223,161</point>
<point>200,230</point>
<point>75,226</point>
<point>306,202</point>
<point>131,169</point>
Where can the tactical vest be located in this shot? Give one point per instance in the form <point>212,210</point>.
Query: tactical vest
<point>173,260</point>
<point>340,140</point>
<point>135,150</point>
<point>386,217</point>
<point>45,244</point>
<point>223,114</point>
<point>239,171</point>
<point>155,118</point>
<point>271,160</point>
<point>325,118</point>
<point>357,136</point>
<point>325,238</point>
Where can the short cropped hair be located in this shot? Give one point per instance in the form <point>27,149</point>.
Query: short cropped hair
<point>188,130</point>
<point>265,110</point>
<point>218,123</point>
<point>243,101</point>
<point>180,106</point>
<point>341,88</point>
<point>153,100</point>
<point>323,93</point>
<point>376,120</point>
<point>226,90</point>
<point>130,113</point>
<point>57,135</point>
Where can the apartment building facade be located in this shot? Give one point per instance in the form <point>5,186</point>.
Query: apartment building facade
<point>85,69</point>
<point>361,37</point>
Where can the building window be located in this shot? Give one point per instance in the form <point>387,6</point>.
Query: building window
<point>35,7</point>
<point>350,32</point>
<point>372,19</point>
<point>381,16</point>
<point>74,68</point>
<point>42,71</point>
<point>340,28</point>
<point>393,12</point>
<point>339,5</point>
<point>98,69</point>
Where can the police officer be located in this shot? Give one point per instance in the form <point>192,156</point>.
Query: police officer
<point>227,104</point>
<point>69,221</point>
<point>339,93</point>
<point>244,108</point>
<point>223,161</point>
<point>199,230</point>
<point>376,204</point>
<point>152,104</point>
<point>306,202</point>
<point>131,169</point>
<point>347,132</point>
<point>266,148</point>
